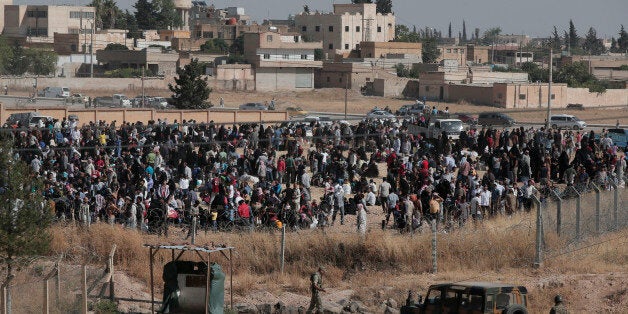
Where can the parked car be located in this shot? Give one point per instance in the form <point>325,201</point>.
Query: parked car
<point>78,98</point>
<point>495,118</point>
<point>54,92</point>
<point>566,121</point>
<point>380,114</point>
<point>253,106</point>
<point>159,103</point>
<point>296,111</point>
<point>468,119</point>
<point>470,297</point>
<point>117,100</point>
<point>411,109</point>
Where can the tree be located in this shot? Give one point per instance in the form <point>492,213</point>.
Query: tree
<point>17,64</point>
<point>145,14</point>
<point>24,216</point>
<point>361,1</point>
<point>535,73</point>
<point>191,89</point>
<point>131,22</point>
<point>573,36</point>
<point>384,6</point>
<point>477,34</point>
<point>577,75</point>
<point>614,47</point>
<point>592,44</point>
<point>449,31</point>
<point>215,45</point>
<point>430,51</point>
<point>491,35</point>
<point>116,46</point>
<point>41,62</point>
<point>6,53</point>
<point>555,41</point>
<point>306,9</point>
<point>107,14</point>
<point>622,40</point>
<point>403,34</point>
<point>167,17</point>
<point>464,31</point>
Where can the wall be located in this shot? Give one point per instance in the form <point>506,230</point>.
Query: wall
<point>270,79</point>
<point>144,115</point>
<point>371,49</point>
<point>497,77</point>
<point>396,87</point>
<point>481,95</point>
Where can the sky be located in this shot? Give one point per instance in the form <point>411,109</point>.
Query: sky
<point>532,17</point>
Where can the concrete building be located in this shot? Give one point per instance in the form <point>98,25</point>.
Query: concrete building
<point>510,54</point>
<point>183,11</point>
<point>345,28</point>
<point>2,4</point>
<point>40,22</point>
<point>154,59</point>
<point>230,32</point>
<point>281,61</point>
<point>67,44</point>
<point>371,49</point>
<point>603,67</point>
<point>344,75</point>
<point>457,53</point>
<point>477,54</point>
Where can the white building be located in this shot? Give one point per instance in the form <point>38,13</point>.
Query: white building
<point>344,29</point>
<point>281,61</point>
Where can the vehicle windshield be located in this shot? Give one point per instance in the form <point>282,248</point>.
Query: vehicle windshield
<point>451,125</point>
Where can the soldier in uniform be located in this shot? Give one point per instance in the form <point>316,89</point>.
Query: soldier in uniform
<point>559,307</point>
<point>316,285</point>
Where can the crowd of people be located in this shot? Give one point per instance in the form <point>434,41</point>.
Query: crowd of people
<point>303,175</point>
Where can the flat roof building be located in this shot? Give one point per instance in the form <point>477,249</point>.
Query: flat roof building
<point>42,21</point>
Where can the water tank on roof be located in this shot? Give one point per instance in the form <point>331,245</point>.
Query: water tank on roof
<point>232,21</point>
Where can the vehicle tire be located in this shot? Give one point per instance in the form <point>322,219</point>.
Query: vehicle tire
<point>576,128</point>
<point>516,309</point>
<point>554,126</point>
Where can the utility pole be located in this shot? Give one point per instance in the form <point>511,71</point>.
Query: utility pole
<point>549,90</point>
<point>143,95</point>
<point>346,92</point>
<point>91,52</point>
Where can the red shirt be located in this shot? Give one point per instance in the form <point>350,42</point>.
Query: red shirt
<point>244,211</point>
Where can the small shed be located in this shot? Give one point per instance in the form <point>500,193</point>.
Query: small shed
<point>192,279</point>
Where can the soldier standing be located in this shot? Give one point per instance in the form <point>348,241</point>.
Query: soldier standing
<point>559,307</point>
<point>316,285</point>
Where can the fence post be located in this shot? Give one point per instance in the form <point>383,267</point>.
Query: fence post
<point>58,284</point>
<point>283,246</point>
<point>111,281</point>
<point>559,209</point>
<point>46,308</point>
<point>3,299</point>
<point>615,205</point>
<point>193,229</point>
<point>84,291</point>
<point>578,214</point>
<point>434,248</point>
<point>597,207</point>
<point>538,258</point>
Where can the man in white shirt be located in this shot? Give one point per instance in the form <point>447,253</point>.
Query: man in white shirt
<point>485,200</point>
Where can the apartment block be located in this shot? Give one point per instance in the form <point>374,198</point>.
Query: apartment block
<point>41,22</point>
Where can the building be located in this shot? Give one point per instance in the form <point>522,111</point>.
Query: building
<point>457,53</point>
<point>230,32</point>
<point>39,23</point>
<point>348,75</point>
<point>371,49</point>
<point>201,13</point>
<point>68,44</point>
<point>281,61</point>
<point>2,4</point>
<point>158,62</point>
<point>477,54</point>
<point>510,54</point>
<point>182,7</point>
<point>345,28</point>
<point>602,67</point>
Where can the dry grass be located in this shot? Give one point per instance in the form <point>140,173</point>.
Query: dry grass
<point>384,264</point>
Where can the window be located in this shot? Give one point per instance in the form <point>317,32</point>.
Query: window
<point>73,48</point>
<point>269,38</point>
<point>357,29</point>
<point>267,56</point>
<point>37,13</point>
<point>38,32</point>
<point>331,28</point>
<point>304,28</point>
<point>448,50</point>
<point>346,46</point>
<point>456,50</point>
<point>78,14</point>
<point>427,88</point>
<point>208,34</point>
<point>318,28</point>
<point>522,96</point>
<point>499,95</point>
<point>346,28</point>
<point>328,79</point>
<point>303,57</point>
<point>331,46</point>
<point>340,79</point>
<point>379,29</point>
<point>220,35</point>
<point>285,56</point>
<point>553,96</point>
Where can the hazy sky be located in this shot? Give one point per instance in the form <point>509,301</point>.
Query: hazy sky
<point>533,17</point>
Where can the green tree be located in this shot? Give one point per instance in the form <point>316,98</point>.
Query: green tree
<point>361,1</point>
<point>145,14</point>
<point>577,75</point>
<point>555,41</point>
<point>214,45</point>
<point>490,35</point>
<point>306,9</point>
<point>167,17</point>
<point>191,89</point>
<point>573,35</point>
<point>24,216</point>
<point>318,54</point>
<point>622,40</point>
<point>430,51</point>
<point>116,46</point>
<point>403,34</point>
<point>41,62</point>
<point>6,53</point>
<point>592,44</point>
<point>535,73</point>
<point>464,31</point>
<point>18,63</point>
<point>449,31</point>
<point>384,6</point>
<point>107,13</point>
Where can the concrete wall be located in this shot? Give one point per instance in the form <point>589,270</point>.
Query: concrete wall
<point>481,95</point>
<point>396,87</point>
<point>497,77</point>
<point>144,115</point>
<point>271,79</point>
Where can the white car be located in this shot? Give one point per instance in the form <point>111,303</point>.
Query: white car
<point>566,121</point>
<point>159,102</point>
<point>381,114</point>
